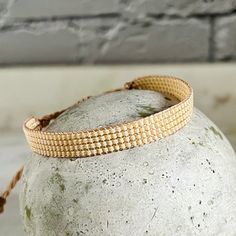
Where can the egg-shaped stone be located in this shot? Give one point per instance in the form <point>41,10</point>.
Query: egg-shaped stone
<point>184,184</point>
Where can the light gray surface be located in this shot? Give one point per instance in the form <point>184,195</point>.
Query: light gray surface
<point>109,109</point>
<point>116,31</point>
<point>13,152</point>
<point>11,222</point>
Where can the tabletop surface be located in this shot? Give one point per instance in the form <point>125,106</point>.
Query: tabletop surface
<point>13,154</point>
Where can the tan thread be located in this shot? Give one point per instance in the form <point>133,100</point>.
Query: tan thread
<point>118,137</point>
<point>11,185</point>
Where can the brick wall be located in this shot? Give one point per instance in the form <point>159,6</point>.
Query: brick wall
<point>117,31</point>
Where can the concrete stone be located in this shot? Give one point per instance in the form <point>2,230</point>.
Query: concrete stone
<point>90,118</point>
<point>225,39</point>
<point>156,41</point>
<point>184,184</point>
<point>43,8</point>
<point>47,45</point>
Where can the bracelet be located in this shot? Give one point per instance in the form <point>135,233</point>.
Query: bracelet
<point>120,136</point>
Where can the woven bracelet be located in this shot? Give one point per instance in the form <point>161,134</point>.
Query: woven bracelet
<point>113,138</point>
<point>120,136</point>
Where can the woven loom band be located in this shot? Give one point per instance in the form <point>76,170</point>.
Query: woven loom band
<point>179,114</point>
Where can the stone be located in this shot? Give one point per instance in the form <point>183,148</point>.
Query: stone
<point>184,184</point>
<point>225,39</point>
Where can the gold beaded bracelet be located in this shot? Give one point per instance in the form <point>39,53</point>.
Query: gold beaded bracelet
<point>113,138</point>
<point>120,136</point>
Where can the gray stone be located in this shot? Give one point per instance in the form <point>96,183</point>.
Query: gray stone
<point>156,41</point>
<point>109,110</point>
<point>184,184</point>
<point>225,39</point>
<point>47,45</point>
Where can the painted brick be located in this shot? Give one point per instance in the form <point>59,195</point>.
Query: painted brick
<point>45,8</point>
<point>159,41</point>
<point>225,38</point>
<point>186,7</point>
<point>25,46</point>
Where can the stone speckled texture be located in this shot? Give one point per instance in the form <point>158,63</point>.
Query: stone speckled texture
<point>184,184</point>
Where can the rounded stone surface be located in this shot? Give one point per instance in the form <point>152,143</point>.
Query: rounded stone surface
<point>109,109</point>
<point>184,184</point>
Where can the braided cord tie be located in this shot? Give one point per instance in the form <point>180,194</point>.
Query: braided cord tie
<point>10,186</point>
<point>118,137</point>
